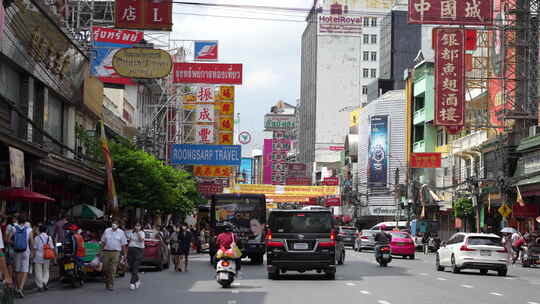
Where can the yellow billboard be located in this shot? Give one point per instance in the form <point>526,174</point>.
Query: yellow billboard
<point>354,117</point>
<point>291,191</point>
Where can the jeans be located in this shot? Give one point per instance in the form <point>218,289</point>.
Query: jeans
<point>134,257</point>
<point>110,264</point>
<point>41,274</point>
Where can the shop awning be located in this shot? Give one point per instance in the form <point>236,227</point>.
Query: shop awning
<point>528,143</point>
<point>21,194</point>
<point>528,181</point>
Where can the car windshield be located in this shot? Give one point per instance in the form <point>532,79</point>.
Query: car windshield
<point>309,222</point>
<point>400,235</point>
<point>348,230</point>
<point>490,241</point>
<point>368,232</point>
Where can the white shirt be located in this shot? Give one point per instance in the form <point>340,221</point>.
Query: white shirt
<point>114,240</point>
<point>1,241</point>
<point>39,241</point>
<point>136,240</point>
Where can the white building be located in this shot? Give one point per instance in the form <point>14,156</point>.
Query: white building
<point>339,58</point>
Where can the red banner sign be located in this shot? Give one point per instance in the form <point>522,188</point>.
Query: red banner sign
<point>215,73</point>
<point>425,160</point>
<point>208,188</point>
<point>333,202</point>
<point>144,15</point>
<point>528,210</point>
<point>337,148</point>
<point>331,181</point>
<point>449,77</point>
<point>298,181</point>
<point>457,12</point>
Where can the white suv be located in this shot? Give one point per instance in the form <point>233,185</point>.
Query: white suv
<point>473,251</point>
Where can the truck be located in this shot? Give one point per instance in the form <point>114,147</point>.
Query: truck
<point>247,213</point>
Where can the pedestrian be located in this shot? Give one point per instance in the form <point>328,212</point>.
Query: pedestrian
<point>41,262</point>
<point>184,244</point>
<point>20,235</point>
<point>196,240</point>
<point>175,252</point>
<point>59,232</point>
<point>135,255</point>
<point>507,240</point>
<point>113,243</point>
<point>6,273</point>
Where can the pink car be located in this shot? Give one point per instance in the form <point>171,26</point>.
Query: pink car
<point>402,244</point>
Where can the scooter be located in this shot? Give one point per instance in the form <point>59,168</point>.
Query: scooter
<point>73,274</point>
<point>383,255</point>
<point>225,272</point>
<point>531,255</point>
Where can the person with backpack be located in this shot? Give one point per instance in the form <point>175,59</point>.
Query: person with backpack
<point>21,238</point>
<point>43,254</point>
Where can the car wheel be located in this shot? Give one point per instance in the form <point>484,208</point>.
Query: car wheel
<point>483,271</point>
<point>359,249</point>
<point>502,272</point>
<point>274,275</point>
<point>331,276</point>
<point>455,268</point>
<point>412,257</point>
<point>438,263</point>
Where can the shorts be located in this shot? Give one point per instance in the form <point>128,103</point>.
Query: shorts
<point>22,261</point>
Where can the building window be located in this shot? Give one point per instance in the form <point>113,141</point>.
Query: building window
<point>366,21</point>
<point>373,73</point>
<point>418,102</point>
<point>365,73</point>
<point>374,21</point>
<point>373,56</point>
<point>366,39</point>
<point>364,90</point>
<point>373,39</point>
<point>366,56</point>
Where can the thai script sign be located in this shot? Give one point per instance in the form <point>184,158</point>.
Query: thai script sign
<point>214,73</point>
<point>279,122</point>
<point>142,63</point>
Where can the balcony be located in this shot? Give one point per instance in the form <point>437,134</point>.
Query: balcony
<point>419,116</point>
<point>469,142</point>
<point>419,146</point>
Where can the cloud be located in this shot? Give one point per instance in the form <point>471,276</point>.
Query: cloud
<point>261,80</point>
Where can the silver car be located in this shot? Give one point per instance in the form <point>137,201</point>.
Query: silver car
<point>366,240</point>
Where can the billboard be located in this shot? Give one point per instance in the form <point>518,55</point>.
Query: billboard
<point>451,12</point>
<point>267,162</point>
<point>16,167</point>
<point>107,42</point>
<point>377,170</point>
<point>212,73</point>
<point>204,113</point>
<point>204,134</point>
<point>219,155</point>
<point>425,160</point>
<point>206,51</point>
<point>274,122</point>
<point>296,170</point>
<point>212,171</point>
<point>142,63</point>
<point>246,170</point>
<point>449,77</point>
<point>207,189</point>
<point>144,15</point>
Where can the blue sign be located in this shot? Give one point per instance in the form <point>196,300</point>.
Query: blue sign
<point>206,50</point>
<point>378,152</point>
<point>218,155</point>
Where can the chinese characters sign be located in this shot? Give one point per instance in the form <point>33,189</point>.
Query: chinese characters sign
<point>205,113</point>
<point>226,124</point>
<point>204,134</point>
<point>226,138</point>
<point>212,171</point>
<point>205,94</point>
<point>226,108</point>
<point>425,160</point>
<point>226,93</point>
<point>144,15</point>
<point>449,77</point>
<point>458,12</point>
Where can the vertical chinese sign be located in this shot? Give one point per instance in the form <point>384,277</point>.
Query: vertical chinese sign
<point>267,162</point>
<point>449,78</point>
<point>144,15</point>
<point>226,115</point>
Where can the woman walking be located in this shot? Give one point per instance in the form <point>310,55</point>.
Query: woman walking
<point>135,255</point>
<point>175,252</point>
<point>41,262</point>
<point>184,244</point>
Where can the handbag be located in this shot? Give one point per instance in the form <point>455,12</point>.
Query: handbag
<point>48,252</point>
<point>234,252</point>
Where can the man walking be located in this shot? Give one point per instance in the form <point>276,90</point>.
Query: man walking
<point>113,242</point>
<point>184,243</point>
<point>21,238</point>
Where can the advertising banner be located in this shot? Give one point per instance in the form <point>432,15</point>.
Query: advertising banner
<point>377,170</point>
<point>144,15</point>
<point>425,160</point>
<point>205,113</point>
<point>142,63</point>
<point>336,148</point>
<point>204,134</point>
<point>212,73</point>
<point>212,171</point>
<point>306,191</point>
<point>298,181</point>
<point>226,108</point>
<point>296,170</point>
<point>267,162</point>
<point>451,12</point>
<point>206,51</point>
<point>207,189</point>
<point>107,42</point>
<point>226,138</point>
<point>246,170</point>
<point>332,202</point>
<point>330,181</point>
<point>205,94</point>
<point>449,77</point>
<point>16,167</point>
<point>279,122</point>
<point>226,124</point>
<point>219,155</point>
<point>226,93</point>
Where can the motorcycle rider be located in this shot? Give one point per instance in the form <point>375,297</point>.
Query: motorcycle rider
<point>382,238</point>
<point>225,239</point>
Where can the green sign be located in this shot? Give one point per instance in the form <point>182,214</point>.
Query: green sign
<point>279,122</point>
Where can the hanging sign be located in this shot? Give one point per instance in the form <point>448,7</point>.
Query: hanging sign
<point>142,63</point>
<point>144,15</point>
<point>455,12</point>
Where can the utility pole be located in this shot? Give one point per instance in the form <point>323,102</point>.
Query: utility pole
<point>396,195</point>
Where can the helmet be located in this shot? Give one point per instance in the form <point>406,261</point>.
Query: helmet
<point>382,227</point>
<point>228,227</point>
<point>71,227</point>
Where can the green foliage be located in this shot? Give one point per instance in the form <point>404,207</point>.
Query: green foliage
<point>463,207</point>
<point>90,143</point>
<point>145,182</point>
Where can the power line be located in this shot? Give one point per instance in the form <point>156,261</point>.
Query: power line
<point>239,17</point>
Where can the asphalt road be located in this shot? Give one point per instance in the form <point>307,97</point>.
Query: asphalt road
<point>360,280</point>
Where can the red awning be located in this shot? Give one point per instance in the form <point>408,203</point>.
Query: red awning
<point>20,194</point>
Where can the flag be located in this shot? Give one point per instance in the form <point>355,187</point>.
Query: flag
<point>519,199</point>
<point>489,203</point>
<point>111,190</point>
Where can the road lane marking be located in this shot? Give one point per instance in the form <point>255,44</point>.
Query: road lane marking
<point>509,278</point>
<point>496,294</point>
<point>235,291</point>
<point>423,274</point>
<point>533,303</point>
<point>235,284</point>
<point>383,302</point>
<point>350,284</point>
<point>365,292</point>
<point>441,279</point>
<point>467,286</point>
<point>231,302</point>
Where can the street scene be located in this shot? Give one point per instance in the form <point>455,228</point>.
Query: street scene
<point>258,151</point>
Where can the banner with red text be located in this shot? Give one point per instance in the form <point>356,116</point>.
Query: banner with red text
<point>213,73</point>
<point>461,12</point>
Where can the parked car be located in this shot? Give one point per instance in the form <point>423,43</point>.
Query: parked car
<point>302,240</point>
<point>365,240</point>
<point>473,251</point>
<point>347,235</point>
<point>402,244</point>
<point>156,250</point>
<point>391,225</point>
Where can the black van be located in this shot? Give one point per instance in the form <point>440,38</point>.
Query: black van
<point>302,240</point>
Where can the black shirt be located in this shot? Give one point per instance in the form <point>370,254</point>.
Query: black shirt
<point>382,237</point>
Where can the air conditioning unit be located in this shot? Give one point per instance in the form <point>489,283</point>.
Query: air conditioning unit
<point>534,130</point>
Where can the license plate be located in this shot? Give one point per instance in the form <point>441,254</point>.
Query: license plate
<point>386,256</point>
<point>69,266</point>
<point>348,239</point>
<point>223,276</point>
<point>300,246</point>
<point>485,252</point>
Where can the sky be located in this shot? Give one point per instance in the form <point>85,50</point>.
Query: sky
<point>268,50</point>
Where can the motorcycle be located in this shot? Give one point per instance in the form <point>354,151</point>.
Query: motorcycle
<point>531,255</point>
<point>225,272</point>
<point>73,274</point>
<point>383,255</point>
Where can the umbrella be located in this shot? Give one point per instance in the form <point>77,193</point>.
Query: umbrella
<point>21,194</point>
<point>508,230</point>
<point>85,210</point>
